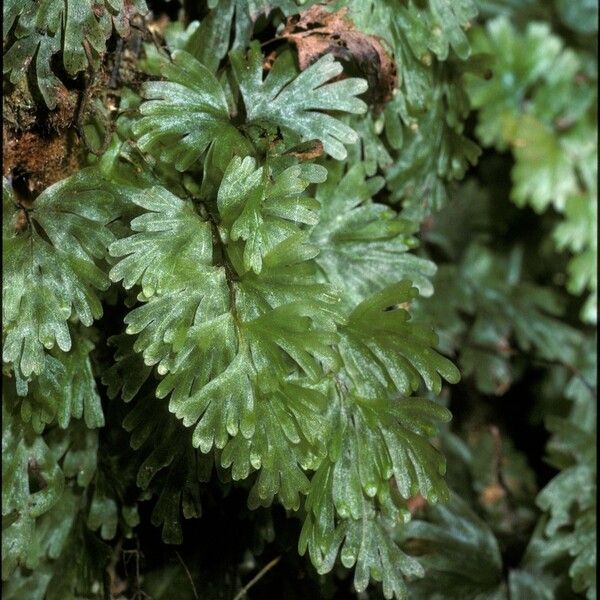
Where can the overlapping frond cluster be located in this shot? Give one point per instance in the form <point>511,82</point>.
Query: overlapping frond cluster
<point>417,140</point>
<point>569,499</point>
<point>494,320</point>
<point>542,103</point>
<point>560,557</point>
<point>280,331</point>
<point>498,318</point>
<point>270,297</point>
<point>276,334</point>
<point>52,267</point>
<point>78,29</point>
<point>51,284</point>
<point>54,495</point>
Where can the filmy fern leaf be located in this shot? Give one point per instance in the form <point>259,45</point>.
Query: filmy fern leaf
<point>382,351</point>
<point>295,102</point>
<point>77,27</point>
<point>51,269</point>
<point>32,483</point>
<point>363,246</point>
<point>183,115</point>
<point>65,389</point>
<point>265,210</point>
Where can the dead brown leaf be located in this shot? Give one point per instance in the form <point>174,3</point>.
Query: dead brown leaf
<point>316,32</point>
<point>307,150</point>
<point>416,503</point>
<point>492,494</point>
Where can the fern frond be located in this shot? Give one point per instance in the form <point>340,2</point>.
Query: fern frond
<point>295,102</point>
<point>51,269</point>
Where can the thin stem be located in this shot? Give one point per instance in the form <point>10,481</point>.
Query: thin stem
<point>259,576</point>
<point>189,576</point>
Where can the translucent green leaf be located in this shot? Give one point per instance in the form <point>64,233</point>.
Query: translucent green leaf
<point>32,483</point>
<point>45,28</point>
<point>184,114</point>
<point>378,452</point>
<point>265,210</point>
<point>51,270</point>
<point>295,101</point>
<point>224,341</point>
<point>366,542</point>
<point>171,243</point>
<point>364,246</point>
<point>382,350</point>
<point>289,430</point>
<point>64,390</point>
